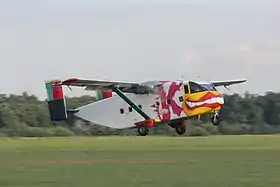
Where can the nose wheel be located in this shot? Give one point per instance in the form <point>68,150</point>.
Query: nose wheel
<point>215,119</point>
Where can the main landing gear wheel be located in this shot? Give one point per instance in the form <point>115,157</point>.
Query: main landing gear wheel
<point>180,130</point>
<point>180,127</point>
<point>143,130</point>
<point>215,119</point>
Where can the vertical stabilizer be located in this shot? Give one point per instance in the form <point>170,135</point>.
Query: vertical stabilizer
<point>56,100</point>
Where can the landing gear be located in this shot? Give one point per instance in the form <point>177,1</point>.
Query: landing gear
<point>180,127</point>
<point>180,130</point>
<point>215,119</point>
<point>143,130</point>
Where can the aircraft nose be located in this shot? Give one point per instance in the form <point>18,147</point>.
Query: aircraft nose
<point>221,99</point>
<point>217,98</point>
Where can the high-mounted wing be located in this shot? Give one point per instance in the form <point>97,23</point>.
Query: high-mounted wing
<point>96,84</point>
<point>93,84</point>
<point>227,83</point>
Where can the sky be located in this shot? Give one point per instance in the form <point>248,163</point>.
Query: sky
<point>139,41</point>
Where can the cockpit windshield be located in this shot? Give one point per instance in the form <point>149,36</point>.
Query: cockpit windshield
<point>195,87</point>
<point>208,87</point>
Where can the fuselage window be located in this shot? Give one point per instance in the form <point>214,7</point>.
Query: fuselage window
<point>181,98</point>
<point>130,109</point>
<point>168,101</point>
<point>140,106</point>
<point>121,110</point>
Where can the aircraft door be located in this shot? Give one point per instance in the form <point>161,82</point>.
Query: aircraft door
<point>187,88</point>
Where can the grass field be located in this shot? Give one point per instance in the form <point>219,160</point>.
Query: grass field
<point>218,161</point>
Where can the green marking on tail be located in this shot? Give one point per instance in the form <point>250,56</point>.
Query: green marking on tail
<point>49,88</point>
<point>99,95</point>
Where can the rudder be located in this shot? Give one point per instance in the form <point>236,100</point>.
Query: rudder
<point>56,100</point>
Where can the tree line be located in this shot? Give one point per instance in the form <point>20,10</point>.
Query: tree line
<point>25,115</point>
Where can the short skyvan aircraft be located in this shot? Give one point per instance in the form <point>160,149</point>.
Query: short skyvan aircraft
<point>141,105</point>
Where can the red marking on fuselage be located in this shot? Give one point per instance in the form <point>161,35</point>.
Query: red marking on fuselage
<point>163,98</point>
<point>207,96</point>
<point>173,88</point>
<point>212,105</point>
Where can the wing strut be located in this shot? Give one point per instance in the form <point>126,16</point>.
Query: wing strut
<point>128,101</point>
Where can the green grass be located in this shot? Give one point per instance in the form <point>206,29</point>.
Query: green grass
<point>218,161</point>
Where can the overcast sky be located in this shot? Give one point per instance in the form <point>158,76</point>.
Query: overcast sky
<point>133,41</point>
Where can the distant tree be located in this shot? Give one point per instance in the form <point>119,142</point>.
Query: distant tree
<point>27,116</point>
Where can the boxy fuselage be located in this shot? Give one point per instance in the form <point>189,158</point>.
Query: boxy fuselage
<point>170,101</point>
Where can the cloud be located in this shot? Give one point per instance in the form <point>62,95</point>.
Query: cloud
<point>192,56</point>
<point>262,52</point>
<point>236,49</point>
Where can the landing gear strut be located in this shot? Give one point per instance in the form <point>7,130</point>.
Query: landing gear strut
<point>215,119</point>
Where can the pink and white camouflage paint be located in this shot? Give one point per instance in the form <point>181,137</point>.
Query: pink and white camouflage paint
<point>169,90</point>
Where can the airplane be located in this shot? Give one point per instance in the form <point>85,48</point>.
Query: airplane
<point>141,105</point>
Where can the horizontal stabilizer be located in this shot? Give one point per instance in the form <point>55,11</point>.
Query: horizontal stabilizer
<point>72,111</point>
